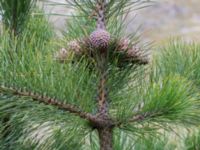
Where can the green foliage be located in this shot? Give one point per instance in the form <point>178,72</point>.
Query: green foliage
<point>192,142</point>
<point>174,97</point>
<point>172,101</point>
<point>156,143</point>
<point>38,26</point>
<point>45,129</point>
<point>35,69</point>
<point>15,13</point>
<point>125,141</point>
<point>179,58</point>
<point>36,34</point>
<point>182,59</point>
<point>28,68</point>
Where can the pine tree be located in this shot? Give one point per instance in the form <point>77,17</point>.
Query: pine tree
<point>100,92</point>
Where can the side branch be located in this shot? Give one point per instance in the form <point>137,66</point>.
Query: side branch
<point>49,101</point>
<point>139,118</point>
<point>142,117</point>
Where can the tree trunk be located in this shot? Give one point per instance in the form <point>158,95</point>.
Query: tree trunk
<point>106,138</point>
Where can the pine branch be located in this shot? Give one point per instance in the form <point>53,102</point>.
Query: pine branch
<point>142,117</point>
<point>49,101</point>
<point>101,24</point>
<point>103,96</point>
<point>15,13</point>
<point>170,103</point>
<point>139,118</point>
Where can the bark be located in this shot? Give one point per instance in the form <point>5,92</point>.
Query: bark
<point>103,96</point>
<point>106,138</point>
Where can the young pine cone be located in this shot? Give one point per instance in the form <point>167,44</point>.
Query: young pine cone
<point>61,55</point>
<point>123,44</point>
<point>99,38</point>
<point>131,54</point>
<point>75,47</point>
<point>135,54</point>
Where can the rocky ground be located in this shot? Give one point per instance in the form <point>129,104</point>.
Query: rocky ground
<point>164,20</point>
<point>171,18</point>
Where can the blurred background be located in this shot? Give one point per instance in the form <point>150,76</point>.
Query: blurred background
<point>160,22</point>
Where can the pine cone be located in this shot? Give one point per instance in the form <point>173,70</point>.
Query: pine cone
<point>123,44</point>
<point>61,55</point>
<point>75,47</point>
<point>99,38</point>
<point>135,54</point>
<point>130,54</point>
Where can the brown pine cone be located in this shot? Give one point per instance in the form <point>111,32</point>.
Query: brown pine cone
<point>99,38</point>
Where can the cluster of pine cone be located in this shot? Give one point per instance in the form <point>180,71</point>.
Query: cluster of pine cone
<point>100,41</point>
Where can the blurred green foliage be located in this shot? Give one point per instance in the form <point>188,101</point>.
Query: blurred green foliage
<point>15,13</point>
